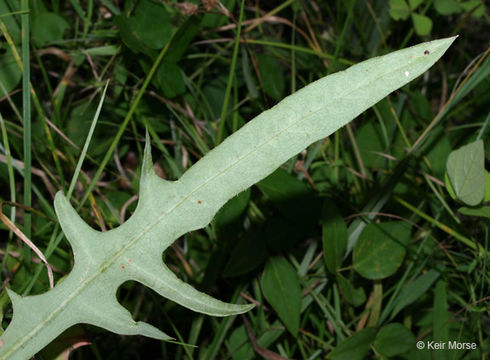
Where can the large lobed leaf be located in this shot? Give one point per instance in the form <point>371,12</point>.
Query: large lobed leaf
<point>166,210</point>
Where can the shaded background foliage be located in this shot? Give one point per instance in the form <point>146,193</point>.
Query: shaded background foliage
<point>354,248</point>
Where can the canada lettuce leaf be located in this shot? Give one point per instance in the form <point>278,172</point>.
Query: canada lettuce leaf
<point>166,210</point>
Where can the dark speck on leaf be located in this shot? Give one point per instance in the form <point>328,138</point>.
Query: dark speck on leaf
<point>199,201</point>
<point>426,52</point>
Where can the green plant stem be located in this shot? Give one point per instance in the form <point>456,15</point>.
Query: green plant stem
<point>427,163</point>
<point>340,41</point>
<point>10,170</point>
<point>26,116</point>
<point>231,77</point>
<point>297,48</point>
<point>448,104</point>
<point>87,142</point>
<point>19,12</point>
<point>37,104</point>
<point>443,227</point>
<point>483,128</point>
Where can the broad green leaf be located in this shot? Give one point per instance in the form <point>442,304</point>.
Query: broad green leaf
<point>48,27</point>
<point>399,9</point>
<point>413,290</point>
<point>169,74</point>
<point>147,29</point>
<point>355,347</point>
<point>422,24</point>
<point>166,210</point>
<point>280,284</point>
<point>129,36</point>
<point>151,24</point>
<point>272,76</point>
<point>369,141</point>
<point>353,296</point>
<point>182,39</point>
<point>394,339</point>
<point>466,171</point>
<point>334,235</point>
<point>380,249</point>
<point>170,79</point>
<point>447,7</point>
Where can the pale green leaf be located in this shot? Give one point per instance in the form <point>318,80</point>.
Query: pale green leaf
<point>166,210</point>
<point>466,171</point>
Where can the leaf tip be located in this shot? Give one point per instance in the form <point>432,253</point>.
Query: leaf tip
<point>152,332</point>
<point>14,297</point>
<point>240,309</point>
<point>248,307</point>
<point>147,167</point>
